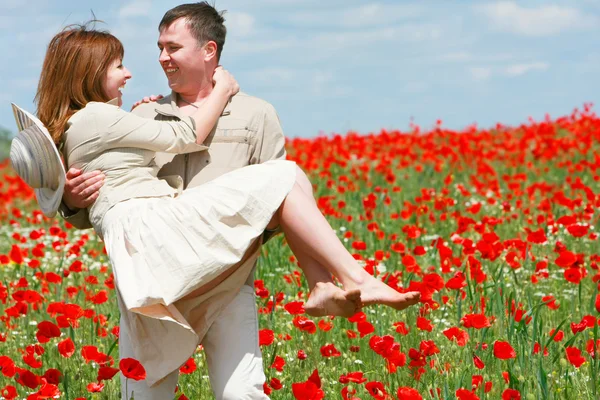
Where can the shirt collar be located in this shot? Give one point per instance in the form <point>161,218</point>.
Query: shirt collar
<point>113,102</point>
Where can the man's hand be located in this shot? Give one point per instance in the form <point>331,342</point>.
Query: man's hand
<point>147,99</point>
<point>81,190</point>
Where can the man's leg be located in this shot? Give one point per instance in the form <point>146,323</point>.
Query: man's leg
<point>235,364</point>
<point>139,389</point>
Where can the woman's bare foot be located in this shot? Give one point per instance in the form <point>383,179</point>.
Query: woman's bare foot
<point>374,291</point>
<point>328,299</point>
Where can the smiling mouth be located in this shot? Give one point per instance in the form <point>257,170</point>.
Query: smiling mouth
<point>171,70</point>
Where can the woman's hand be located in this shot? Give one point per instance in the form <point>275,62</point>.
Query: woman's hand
<point>225,81</point>
<point>148,99</point>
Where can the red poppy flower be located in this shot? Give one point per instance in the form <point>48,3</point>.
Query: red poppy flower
<point>329,350</point>
<point>7,366</point>
<point>401,328</point>
<point>309,390</point>
<point>477,321</point>
<point>295,307</point>
<point>355,377</point>
<point>578,230</point>
<point>325,326</point>
<point>305,324</point>
<point>511,394</point>
<point>537,237</point>
<point>376,390</point>
<point>365,328</point>
<point>189,366</point>
<point>565,259</point>
<point>592,347</point>
<point>278,363</point>
<point>424,324</point>
<point>503,350</point>
<point>407,393</point>
<point>276,384</point>
<point>16,255</point>
<point>95,387</point>
<point>132,369</point>
<point>574,356</point>
<point>106,373</point>
<point>46,331</point>
<point>28,378</point>
<point>66,348</point>
<point>478,362</point>
<point>9,392</point>
<point>464,394</point>
<point>265,337</point>
<point>573,275</point>
<point>359,245</point>
<point>52,376</point>
<point>456,334</point>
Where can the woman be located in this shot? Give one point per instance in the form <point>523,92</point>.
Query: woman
<point>139,216</point>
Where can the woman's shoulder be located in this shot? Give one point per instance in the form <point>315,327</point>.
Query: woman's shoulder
<point>94,110</point>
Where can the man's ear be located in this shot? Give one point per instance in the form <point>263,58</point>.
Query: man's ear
<point>211,50</point>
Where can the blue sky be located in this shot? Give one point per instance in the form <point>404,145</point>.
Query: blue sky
<point>338,65</point>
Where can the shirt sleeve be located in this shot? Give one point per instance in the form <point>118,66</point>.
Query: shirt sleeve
<point>123,129</point>
<point>270,141</point>
<point>78,218</point>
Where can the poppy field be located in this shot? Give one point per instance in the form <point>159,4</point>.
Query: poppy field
<point>497,228</point>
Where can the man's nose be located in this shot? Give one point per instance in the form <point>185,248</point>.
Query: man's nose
<point>163,56</point>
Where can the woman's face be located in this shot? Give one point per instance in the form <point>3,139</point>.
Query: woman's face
<point>116,77</point>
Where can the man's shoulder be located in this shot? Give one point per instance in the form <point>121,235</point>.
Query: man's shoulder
<point>245,104</point>
<point>148,110</point>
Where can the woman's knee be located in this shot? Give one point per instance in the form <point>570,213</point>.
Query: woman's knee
<point>303,181</point>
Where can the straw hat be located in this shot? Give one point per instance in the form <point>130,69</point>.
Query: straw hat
<point>36,160</point>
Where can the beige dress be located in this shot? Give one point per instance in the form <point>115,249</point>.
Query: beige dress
<point>164,244</point>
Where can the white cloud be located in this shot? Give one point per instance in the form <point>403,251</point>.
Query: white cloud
<point>480,73</point>
<point>137,8</point>
<point>239,24</point>
<point>366,15</point>
<point>545,20</point>
<point>520,69</point>
<point>272,76</point>
<point>456,56</point>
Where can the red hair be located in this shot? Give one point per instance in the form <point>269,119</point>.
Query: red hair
<point>73,74</point>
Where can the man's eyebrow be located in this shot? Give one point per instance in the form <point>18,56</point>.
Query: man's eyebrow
<point>167,43</point>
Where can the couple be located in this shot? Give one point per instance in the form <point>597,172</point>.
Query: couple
<point>183,259</point>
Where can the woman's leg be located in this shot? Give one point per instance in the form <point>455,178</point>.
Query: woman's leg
<point>325,297</point>
<point>308,233</point>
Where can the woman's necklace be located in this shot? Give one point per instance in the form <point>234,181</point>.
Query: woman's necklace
<point>185,101</point>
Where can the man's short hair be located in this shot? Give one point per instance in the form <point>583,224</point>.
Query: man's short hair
<point>203,20</point>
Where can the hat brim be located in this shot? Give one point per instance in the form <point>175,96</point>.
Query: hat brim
<point>48,199</point>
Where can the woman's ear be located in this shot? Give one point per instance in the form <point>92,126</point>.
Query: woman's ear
<point>211,50</point>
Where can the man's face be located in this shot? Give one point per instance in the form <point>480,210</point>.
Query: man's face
<point>181,58</point>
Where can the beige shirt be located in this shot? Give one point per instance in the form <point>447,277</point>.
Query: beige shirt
<point>248,132</point>
<point>102,136</point>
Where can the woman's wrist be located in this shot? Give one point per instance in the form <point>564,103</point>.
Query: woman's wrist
<point>223,89</point>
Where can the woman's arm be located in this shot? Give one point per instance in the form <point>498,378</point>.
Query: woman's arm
<point>208,114</point>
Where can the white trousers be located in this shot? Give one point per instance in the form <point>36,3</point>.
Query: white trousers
<point>233,356</point>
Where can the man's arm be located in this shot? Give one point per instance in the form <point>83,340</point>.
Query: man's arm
<point>270,145</point>
<point>81,190</point>
<point>270,141</point>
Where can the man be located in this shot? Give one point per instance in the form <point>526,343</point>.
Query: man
<point>190,41</point>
